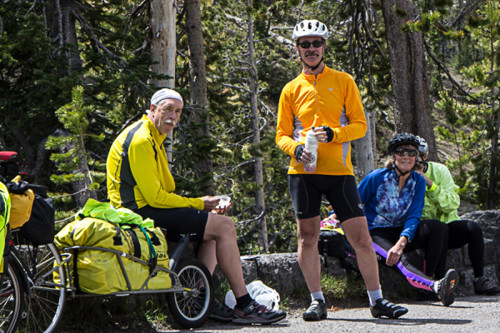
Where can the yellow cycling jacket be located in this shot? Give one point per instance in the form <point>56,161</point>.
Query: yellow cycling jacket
<point>137,171</point>
<point>330,99</point>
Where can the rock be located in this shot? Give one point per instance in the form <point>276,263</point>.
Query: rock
<point>282,272</point>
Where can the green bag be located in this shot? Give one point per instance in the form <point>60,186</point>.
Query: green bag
<point>100,272</point>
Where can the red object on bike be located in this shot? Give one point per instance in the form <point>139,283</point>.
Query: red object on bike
<point>7,155</point>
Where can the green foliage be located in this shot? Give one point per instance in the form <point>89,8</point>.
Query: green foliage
<point>113,46</point>
<point>74,162</point>
<point>29,77</point>
<point>342,288</point>
<point>478,164</point>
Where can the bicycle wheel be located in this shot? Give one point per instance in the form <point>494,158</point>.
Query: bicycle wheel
<point>192,307</point>
<point>11,299</point>
<point>45,305</point>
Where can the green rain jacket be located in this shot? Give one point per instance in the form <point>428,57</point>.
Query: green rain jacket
<point>442,199</point>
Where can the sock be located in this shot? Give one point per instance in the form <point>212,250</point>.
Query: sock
<point>374,295</point>
<point>243,301</point>
<point>435,286</point>
<point>317,295</point>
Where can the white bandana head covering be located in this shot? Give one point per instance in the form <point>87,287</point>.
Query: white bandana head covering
<point>165,93</point>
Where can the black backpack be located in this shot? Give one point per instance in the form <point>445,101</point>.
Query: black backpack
<point>332,243</point>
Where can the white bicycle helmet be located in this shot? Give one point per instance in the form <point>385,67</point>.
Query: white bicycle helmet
<point>310,28</point>
<point>423,149</point>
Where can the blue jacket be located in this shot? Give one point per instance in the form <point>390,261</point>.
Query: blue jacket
<point>386,207</point>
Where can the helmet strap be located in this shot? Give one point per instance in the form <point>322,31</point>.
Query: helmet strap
<point>313,68</point>
<point>401,173</point>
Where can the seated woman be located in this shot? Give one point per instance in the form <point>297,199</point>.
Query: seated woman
<point>441,203</point>
<point>393,199</point>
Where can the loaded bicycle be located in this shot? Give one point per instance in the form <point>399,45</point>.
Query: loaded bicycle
<point>40,278</point>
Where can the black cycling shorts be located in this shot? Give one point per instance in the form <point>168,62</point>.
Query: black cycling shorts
<point>340,191</point>
<point>178,221</point>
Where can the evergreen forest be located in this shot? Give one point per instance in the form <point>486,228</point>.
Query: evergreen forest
<point>74,73</point>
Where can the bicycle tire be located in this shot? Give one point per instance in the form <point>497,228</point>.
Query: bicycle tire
<point>191,308</point>
<point>45,305</point>
<point>11,298</point>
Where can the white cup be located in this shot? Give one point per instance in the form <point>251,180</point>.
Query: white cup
<point>224,201</point>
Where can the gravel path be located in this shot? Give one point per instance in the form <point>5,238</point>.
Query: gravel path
<point>468,314</point>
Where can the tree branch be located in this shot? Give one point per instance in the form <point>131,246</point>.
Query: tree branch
<point>445,70</point>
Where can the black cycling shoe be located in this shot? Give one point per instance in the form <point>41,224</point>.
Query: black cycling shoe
<point>221,312</point>
<point>254,313</point>
<point>483,285</point>
<point>446,286</point>
<point>316,311</point>
<point>384,308</point>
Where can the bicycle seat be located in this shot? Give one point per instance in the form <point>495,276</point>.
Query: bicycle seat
<point>6,156</point>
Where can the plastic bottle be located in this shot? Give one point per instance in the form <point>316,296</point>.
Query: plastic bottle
<point>312,146</point>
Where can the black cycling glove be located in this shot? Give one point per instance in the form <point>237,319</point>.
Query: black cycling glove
<point>298,152</point>
<point>329,133</point>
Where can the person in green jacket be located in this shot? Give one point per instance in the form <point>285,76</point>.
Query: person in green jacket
<point>442,202</point>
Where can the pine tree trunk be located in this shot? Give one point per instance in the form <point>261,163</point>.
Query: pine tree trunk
<point>408,72</point>
<point>364,149</point>
<point>163,47</point>
<point>199,100</point>
<point>61,24</point>
<point>260,204</point>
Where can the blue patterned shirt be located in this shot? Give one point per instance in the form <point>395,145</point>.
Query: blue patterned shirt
<point>385,206</point>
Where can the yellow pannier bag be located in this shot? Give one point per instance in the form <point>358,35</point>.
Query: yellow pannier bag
<point>21,205</point>
<point>100,272</point>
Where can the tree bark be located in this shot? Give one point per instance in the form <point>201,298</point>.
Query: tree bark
<point>408,73</point>
<point>198,88</point>
<point>364,148</point>
<point>61,23</point>
<point>260,204</point>
<point>163,47</point>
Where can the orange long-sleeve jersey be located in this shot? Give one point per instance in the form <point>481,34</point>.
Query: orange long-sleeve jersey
<point>328,99</point>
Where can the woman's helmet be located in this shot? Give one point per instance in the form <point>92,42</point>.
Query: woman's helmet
<point>402,139</point>
<point>310,28</point>
<point>423,148</point>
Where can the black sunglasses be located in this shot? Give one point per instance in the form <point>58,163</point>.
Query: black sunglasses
<point>316,44</point>
<point>406,151</point>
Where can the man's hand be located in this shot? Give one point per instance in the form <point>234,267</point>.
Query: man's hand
<point>323,134</point>
<point>212,205</point>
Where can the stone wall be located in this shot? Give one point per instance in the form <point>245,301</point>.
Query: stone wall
<point>282,271</point>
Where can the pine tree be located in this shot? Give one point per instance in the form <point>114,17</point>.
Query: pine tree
<point>75,163</point>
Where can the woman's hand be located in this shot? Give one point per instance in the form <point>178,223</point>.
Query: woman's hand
<point>395,253</point>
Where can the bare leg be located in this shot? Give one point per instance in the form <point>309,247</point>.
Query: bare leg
<point>206,253</point>
<point>221,229</point>
<point>356,231</point>
<point>309,261</point>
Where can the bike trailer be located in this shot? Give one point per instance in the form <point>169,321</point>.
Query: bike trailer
<point>114,250</point>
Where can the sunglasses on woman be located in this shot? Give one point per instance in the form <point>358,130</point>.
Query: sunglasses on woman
<point>307,44</point>
<point>406,151</point>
